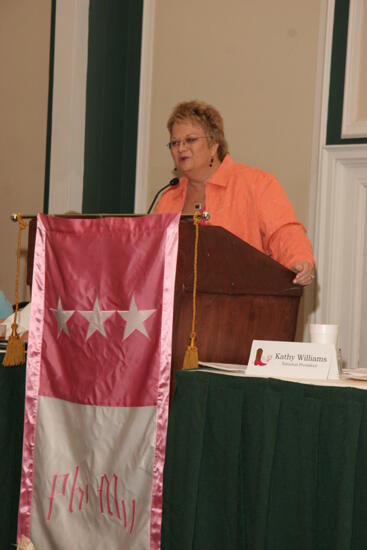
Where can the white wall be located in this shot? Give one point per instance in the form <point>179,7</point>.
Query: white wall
<point>69,101</point>
<point>24,69</point>
<point>362,88</point>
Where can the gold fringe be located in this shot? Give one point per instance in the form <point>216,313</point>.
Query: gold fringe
<point>15,351</point>
<point>191,359</point>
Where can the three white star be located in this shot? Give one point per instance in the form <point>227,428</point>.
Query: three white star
<point>135,319</point>
<point>62,318</point>
<point>96,318</point>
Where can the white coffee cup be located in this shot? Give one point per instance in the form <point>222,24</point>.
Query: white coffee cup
<point>321,333</point>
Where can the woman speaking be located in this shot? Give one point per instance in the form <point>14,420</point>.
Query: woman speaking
<point>248,202</point>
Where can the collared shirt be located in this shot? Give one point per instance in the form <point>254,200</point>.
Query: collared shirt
<point>251,204</point>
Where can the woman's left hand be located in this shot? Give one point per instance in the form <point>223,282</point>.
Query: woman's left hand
<point>305,273</point>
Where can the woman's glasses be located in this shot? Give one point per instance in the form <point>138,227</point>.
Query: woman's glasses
<point>189,141</point>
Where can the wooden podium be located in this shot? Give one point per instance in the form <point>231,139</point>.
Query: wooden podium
<point>242,295</point>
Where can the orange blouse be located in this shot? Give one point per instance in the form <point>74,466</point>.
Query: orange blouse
<point>252,205</point>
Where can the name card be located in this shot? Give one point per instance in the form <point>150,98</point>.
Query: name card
<point>293,360</point>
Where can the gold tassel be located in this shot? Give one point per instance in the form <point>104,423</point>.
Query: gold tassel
<point>15,351</point>
<point>191,359</point>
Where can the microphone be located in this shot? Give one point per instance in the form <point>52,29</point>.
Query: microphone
<point>172,183</point>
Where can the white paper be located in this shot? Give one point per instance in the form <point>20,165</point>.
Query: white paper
<point>355,374</point>
<point>295,360</point>
<point>223,366</point>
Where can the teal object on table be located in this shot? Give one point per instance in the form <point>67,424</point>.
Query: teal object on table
<point>263,464</point>
<point>6,308</point>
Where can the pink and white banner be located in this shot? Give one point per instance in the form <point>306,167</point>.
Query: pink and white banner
<point>97,389</point>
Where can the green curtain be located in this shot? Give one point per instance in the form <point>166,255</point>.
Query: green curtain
<point>264,464</point>
<point>12,388</point>
<point>337,77</point>
<point>112,105</point>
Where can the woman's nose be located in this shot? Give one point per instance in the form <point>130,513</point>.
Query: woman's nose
<point>182,144</point>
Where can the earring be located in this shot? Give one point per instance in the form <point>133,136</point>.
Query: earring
<point>175,169</point>
<point>211,162</point>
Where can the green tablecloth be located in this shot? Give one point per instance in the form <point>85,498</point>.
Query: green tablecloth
<point>251,464</point>
<point>12,390</point>
<point>264,464</point>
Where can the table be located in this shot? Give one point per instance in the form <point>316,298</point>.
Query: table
<point>259,464</point>
<point>251,464</point>
<point>12,391</point>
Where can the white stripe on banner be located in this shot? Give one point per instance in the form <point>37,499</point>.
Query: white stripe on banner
<point>103,478</point>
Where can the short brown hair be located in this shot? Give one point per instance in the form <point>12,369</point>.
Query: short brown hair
<point>207,117</point>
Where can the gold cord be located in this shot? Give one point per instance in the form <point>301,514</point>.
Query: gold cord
<point>15,352</point>
<point>191,360</point>
<point>21,226</point>
<point>193,326</point>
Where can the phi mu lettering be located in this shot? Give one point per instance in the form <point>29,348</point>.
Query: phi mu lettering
<point>66,491</point>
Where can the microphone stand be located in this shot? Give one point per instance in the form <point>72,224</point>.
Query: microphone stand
<point>172,183</point>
